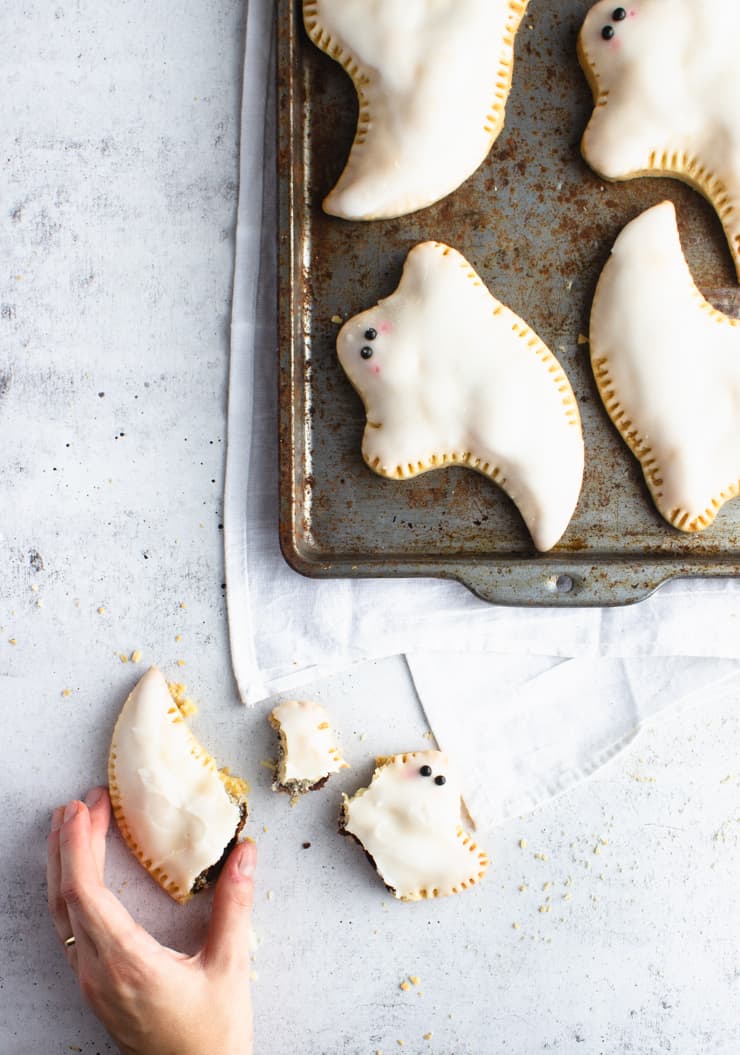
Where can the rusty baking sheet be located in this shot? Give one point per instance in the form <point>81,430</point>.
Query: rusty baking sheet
<point>537,225</point>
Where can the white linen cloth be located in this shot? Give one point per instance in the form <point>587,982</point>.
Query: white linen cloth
<point>545,724</point>
<point>287,630</point>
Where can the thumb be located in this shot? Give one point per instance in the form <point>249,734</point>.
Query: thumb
<point>229,940</point>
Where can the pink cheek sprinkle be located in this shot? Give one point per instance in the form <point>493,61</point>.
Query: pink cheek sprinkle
<point>616,44</point>
<point>376,369</point>
<point>385,327</point>
<point>632,13</point>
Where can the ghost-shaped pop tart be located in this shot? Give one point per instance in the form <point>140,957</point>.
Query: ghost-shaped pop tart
<point>450,376</point>
<point>178,813</point>
<point>409,822</point>
<point>665,78</point>
<point>308,750</point>
<point>432,79</point>
<point>667,364</point>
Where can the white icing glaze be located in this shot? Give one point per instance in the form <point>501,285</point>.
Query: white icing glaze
<point>411,827</point>
<point>432,78</point>
<point>310,752</point>
<point>169,801</point>
<point>668,368</point>
<point>456,377</point>
<point>667,94</point>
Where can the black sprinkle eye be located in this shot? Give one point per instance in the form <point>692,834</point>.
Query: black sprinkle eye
<point>426,771</point>
<point>619,14</point>
<point>440,780</point>
<point>607,32</point>
<point>371,334</point>
<point>366,353</point>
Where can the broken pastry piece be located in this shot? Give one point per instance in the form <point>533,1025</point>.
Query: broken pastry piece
<point>308,747</point>
<point>450,376</point>
<point>667,364</point>
<point>178,813</point>
<point>666,85</point>
<point>432,81</point>
<point>409,822</point>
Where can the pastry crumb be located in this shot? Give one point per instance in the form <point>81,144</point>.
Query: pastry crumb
<point>522,844</point>
<point>522,888</point>
<point>270,895</point>
<point>337,320</point>
<point>178,637</point>
<point>265,829</point>
<point>583,339</point>
<point>181,662</point>
<point>567,897</point>
<point>66,692</point>
<point>136,656</point>
<point>182,604</point>
<point>179,694</point>
<point>545,908</point>
<point>540,857</point>
<point>405,986</point>
<point>12,641</point>
<point>34,587</point>
<point>427,1036</point>
<point>101,610</point>
<point>516,926</point>
<point>414,979</point>
<point>123,656</point>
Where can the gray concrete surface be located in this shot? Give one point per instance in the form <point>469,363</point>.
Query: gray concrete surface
<point>117,205</point>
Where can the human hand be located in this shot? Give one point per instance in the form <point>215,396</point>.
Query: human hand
<point>151,999</point>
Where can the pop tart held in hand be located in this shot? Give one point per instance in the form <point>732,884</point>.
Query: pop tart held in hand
<point>177,811</point>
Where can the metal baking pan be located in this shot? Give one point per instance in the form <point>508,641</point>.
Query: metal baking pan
<point>537,225</point>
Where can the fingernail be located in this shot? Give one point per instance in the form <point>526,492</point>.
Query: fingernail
<point>93,796</point>
<point>56,819</point>
<point>245,864</point>
<point>70,811</point>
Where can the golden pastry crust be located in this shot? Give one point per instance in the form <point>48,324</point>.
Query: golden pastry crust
<point>307,744</point>
<point>236,789</point>
<point>653,390</point>
<point>407,821</point>
<point>636,129</point>
<point>501,405</point>
<point>372,81</point>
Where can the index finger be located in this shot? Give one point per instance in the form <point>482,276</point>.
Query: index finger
<point>89,902</point>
